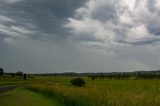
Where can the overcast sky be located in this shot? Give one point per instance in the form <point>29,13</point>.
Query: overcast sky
<point>40,36</point>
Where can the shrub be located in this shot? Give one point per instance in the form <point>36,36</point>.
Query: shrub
<point>25,76</point>
<point>19,73</point>
<point>12,75</point>
<point>1,72</point>
<point>78,82</point>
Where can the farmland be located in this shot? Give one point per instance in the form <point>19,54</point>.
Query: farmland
<point>96,92</point>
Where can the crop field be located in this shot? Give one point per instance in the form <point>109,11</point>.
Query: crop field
<point>97,92</point>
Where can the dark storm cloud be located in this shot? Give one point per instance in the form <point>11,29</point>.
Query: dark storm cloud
<point>79,35</point>
<point>47,16</point>
<point>108,10</point>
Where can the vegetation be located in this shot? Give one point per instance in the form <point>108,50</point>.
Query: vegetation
<point>100,92</point>
<point>78,82</point>
<point>19,73</point>
<point>1,71</point>
<point>24,97</point>
<point>25,76</point>
<point>116,89</point>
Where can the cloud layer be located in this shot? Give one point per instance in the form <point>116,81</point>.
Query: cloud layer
<point>79,36</point>
<point>112,22</point>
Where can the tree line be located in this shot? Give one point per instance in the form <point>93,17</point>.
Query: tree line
<point>18,74</point>
<point>118,76</point>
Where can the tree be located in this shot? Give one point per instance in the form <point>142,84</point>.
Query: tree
<point>1,72</point>
<point>19,73</point>
<point>25,76</point>
<point>12,75</point>
<point>78,82</point>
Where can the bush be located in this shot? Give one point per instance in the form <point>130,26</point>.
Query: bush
<point>12,75</point>
<point>25,76</point>
<point>19,73</point>
<point>78,82</point>
<point>1,72</point>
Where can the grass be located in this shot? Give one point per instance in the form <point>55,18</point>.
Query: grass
<point>24,97</point>
<point>102,93</point>
<point>97,92</point>
<point>8,80</point>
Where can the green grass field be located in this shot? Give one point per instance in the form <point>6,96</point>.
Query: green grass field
<point>7,80</point>
<point>24,97</point>
<point>101,92</point>
<point>96,92</point>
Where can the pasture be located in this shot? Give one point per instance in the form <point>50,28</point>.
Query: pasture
<point>96,92</point>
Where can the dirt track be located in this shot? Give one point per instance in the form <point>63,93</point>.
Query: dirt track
<point>7,88</point>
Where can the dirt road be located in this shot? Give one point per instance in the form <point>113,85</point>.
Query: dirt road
<point>7,88</point>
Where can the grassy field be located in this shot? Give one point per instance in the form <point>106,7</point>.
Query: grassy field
<point>24,97</point>
<point>100,92</point>
<point>8,80</point>
<point>97,92</point>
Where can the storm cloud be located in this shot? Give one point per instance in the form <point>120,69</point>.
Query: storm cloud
<point>130,22</point>
<point>80,36</point>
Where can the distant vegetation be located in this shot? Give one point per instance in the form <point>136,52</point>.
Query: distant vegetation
<point>13,78</point>
<point>18,74</point>
<point>111,75</point>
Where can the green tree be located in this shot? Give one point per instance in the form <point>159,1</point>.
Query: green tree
<point>25,76</point>
<point>78,82</point>
<point>1,71</point>
<point>12,75</point>
<point>19,73</point>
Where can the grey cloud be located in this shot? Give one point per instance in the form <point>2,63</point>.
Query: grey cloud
<point>85,37</point>
<point>134,23</point>
<point>106,11</point>
<point>141,42</point>
<point>154,27</point>
<point>81,36</point>
<point>151,5</point>
<point>47,16</point>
